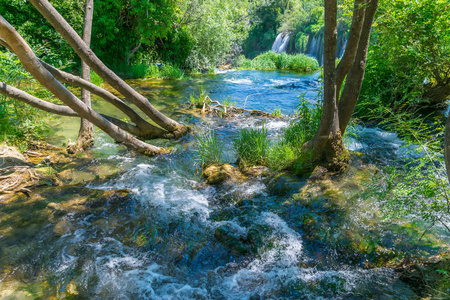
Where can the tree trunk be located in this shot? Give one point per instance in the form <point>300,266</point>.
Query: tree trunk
<point>327,147</point>
<point>86,54</point>
<point>355,77</point>
<point>32,64</point>
<point>436,96</point>
<point>86,134</point>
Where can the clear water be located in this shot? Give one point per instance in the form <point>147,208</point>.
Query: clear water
<point>179,239</point>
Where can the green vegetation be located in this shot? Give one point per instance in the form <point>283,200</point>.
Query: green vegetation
<point>408,69</point>
<point>277,112</point>
<point>20,124</point>
<point>210,149</point>
<point>272,61</point>
<point>419,186</point>
<point>252,146</point>
<point>199,98</point>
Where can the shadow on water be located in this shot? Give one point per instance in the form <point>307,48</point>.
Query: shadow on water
<point>151,229</point>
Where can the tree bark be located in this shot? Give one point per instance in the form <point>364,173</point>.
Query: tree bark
<point>22,96</point>
<point>352,43</point>
<point>355,77</point>
<point>34,67</point>
<point>86,54</point>
<point>86,134</point>
<point>437,95</point>
<point>327,146</point>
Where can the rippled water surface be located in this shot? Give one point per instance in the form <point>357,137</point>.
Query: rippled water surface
<point>176,238</point>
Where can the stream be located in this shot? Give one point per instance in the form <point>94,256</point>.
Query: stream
<point>174,237</point>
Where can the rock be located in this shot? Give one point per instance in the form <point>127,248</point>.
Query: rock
<point>232,240</point>
<point>319,172</point>
<point>285,183</point>
<point>256,171</point>
<point>217,174</point>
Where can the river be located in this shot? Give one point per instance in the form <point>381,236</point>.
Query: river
<point>177,238</point>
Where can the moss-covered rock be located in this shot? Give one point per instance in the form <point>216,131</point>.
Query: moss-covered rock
<point>218,174</point>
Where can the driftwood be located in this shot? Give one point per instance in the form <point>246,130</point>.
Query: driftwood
<point>19,174</point>
<point>220,110</point>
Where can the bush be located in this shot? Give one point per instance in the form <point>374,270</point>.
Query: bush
<point>251,146</point>
<point>170,71</point>
<point>20,123</point>
<point>271,61</point>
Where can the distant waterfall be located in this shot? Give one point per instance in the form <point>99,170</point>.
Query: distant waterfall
<point>315,48</point>
<point>281,42</point>
<point>341,52</point>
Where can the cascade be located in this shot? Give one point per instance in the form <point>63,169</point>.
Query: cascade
<point>281,42</point>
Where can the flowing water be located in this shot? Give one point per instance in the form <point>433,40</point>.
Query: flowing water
<point>177,238</point>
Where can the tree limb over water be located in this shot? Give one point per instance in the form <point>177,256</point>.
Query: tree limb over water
<point>52,79</point>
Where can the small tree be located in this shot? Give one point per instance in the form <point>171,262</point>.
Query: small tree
<point>52,79</point>
<point>327,147</point>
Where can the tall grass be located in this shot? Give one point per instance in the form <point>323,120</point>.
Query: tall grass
<point>148,70</point>
<point>210,149</point>
<point>251,146</point>
<point>271,61</point>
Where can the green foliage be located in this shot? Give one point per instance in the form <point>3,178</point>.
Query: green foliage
<point>281,156</point>
<point>277,112</point>
<point>272,60</point>
<point>409,56</point>
<point>95,79</point>
<point>199,98</point>
<point>20,124</point>
<point>170,71</point>
<point>251,146</point>
<point>210,149</point>
<point>38,33</point>
<point>418,186</point>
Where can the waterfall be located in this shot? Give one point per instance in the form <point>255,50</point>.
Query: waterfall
<point>313,48</point>
<point>281,42</point>
<point>341,52</point>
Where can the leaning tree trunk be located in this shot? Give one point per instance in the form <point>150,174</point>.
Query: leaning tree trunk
<point>86,54</point>
<point>32,64</point>
<point>86,134</point>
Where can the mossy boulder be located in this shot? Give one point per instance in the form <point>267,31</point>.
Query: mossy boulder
<point>218,174</point>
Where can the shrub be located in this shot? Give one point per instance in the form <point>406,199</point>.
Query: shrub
<point>251,146</point>
<point>271,60</point>
<point>171,71</point>
<point>277,112</point>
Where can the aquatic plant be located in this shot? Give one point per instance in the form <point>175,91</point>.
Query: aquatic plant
<point>251,146</point>
<point>277,112</point>
<point>199,98</point>
<point>170,71</point>
<point>209,149</point>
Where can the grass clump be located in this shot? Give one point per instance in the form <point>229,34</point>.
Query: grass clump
<point>199,98</point>
<point>277,112</point>
<point>252,146</point>
<point>210,149</point>
<point>271,61</point>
